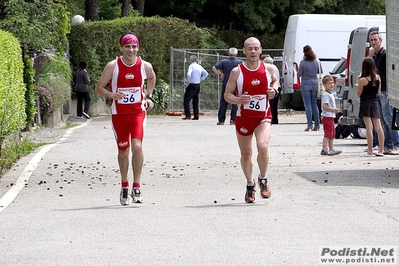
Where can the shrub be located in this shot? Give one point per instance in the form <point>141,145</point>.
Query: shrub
<point>12,87</point>
<point>46,103</point>
<point>161,98</point>
<point>54,83</point>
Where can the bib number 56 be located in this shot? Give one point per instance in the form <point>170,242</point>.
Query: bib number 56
<point>254,105</point>
<point>129,99</point>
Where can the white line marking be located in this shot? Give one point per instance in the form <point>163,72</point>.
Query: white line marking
<point>13,192</point>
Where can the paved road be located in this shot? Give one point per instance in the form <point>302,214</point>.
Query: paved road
<point>68,213</point>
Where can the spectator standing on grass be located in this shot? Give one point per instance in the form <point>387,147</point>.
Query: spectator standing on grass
<point>223,69</point>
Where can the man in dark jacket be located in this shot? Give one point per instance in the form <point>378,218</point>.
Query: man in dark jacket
<point>223,69</point>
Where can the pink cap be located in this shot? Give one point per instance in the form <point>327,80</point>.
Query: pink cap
<point>129,39</point>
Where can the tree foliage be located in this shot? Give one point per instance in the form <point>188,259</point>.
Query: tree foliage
<point>257,16</point>
<point>38,24</point>
<point>251,16</point>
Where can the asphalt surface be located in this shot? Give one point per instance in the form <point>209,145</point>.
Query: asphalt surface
<point>60,205</point>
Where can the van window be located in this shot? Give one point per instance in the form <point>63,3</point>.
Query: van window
<point>339,67</point>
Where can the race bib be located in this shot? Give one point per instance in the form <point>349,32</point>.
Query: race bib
<point>132,95</point>
<point>258,103</point>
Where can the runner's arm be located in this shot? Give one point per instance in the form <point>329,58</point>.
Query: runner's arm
<point>151,80</point>
<point>231,87</point>
<point>106,76</point>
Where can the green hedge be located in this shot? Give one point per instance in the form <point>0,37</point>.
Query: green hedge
<point>12,87</point>
<point>98,42</point>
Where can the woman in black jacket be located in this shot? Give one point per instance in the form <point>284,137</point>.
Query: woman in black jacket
<point>81,89</point>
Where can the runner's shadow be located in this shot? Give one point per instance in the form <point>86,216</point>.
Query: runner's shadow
<point>111,207</point>
<point>229,205</point>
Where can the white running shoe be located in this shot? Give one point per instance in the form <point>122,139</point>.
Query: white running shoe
<point>136,195</point>
<point>124,196</point>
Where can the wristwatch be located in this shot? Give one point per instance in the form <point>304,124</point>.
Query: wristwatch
<point>149,96</point>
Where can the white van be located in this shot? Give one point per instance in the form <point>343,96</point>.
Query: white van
<point>327,35</point>
<point>358,49</point>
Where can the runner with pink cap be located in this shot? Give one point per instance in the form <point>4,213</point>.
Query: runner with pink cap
<point>130,99</point>
<point>129,39</point>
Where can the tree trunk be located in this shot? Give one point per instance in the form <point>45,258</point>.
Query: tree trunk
<point>125,8</point>
<point>92,10</point>
<point>140,6</point>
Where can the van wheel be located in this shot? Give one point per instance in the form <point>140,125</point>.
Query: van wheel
<point>297,102</point>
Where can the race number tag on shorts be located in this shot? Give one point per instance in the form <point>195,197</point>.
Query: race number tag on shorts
<point>257,103</point>
<point>132,95</point>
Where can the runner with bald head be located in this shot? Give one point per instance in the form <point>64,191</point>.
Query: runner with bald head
<point>251,85</point>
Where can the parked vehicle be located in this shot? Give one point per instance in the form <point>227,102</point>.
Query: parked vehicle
<point>339,74</point>
<point>339,69</point>
<point>358,49</point>
<point>328,36</point>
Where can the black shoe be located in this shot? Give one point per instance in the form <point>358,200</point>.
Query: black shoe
<point>195,118</point>
<point>186,118</point>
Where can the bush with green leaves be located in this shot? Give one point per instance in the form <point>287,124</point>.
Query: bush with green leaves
<point>53,87</point>
<point>46,102</point>
<point>161,98</point>
<point>12,87</point>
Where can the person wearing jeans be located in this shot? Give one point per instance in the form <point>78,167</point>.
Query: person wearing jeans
<point>387,111</point>
<point>391,136</point>
<point>309,97</point>
<point>308,69</point>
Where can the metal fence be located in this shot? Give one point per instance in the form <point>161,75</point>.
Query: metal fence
<point>211,88</point>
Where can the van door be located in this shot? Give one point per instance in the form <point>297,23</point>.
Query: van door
<point>358,53</point>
